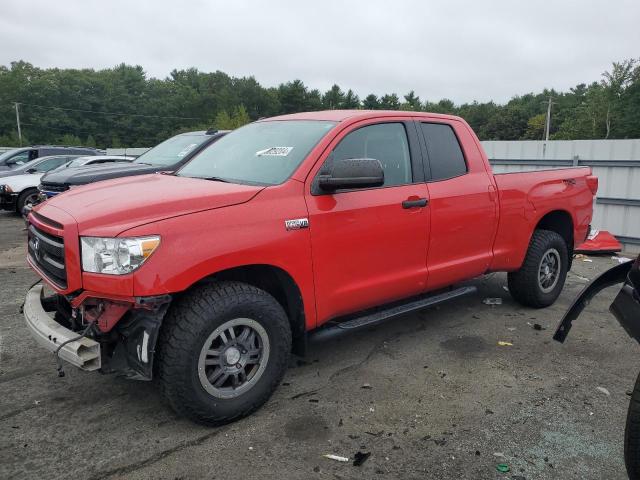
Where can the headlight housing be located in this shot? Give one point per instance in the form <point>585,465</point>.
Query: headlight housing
<point>116,256</point>
<point>5,189</point>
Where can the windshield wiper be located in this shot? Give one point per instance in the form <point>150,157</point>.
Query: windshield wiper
<point>216,179</point>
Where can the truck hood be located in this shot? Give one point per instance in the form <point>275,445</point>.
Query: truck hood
<point>111,207</point>
<point>95,173</point>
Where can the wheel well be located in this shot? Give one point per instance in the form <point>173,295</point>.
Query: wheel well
<point>560,222</point>
<point>281,286</point>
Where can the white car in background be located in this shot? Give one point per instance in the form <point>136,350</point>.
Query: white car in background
<point>20,190</point>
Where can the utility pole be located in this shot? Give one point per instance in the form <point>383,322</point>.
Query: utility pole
<point>547,125</point>
<point>18,122</point>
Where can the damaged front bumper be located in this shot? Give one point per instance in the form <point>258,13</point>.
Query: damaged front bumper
<point>83,353</point>
<point>122,338</point>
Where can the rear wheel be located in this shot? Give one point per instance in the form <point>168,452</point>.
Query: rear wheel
<point>223,350</point>
<point>632,435</point>
<point>541,278</point>
<point>27,198</point>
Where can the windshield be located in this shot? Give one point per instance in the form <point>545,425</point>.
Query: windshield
<point>265,153</point>
<point>173,150</point>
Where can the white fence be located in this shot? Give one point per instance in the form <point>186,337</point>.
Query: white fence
<point>616,163</point>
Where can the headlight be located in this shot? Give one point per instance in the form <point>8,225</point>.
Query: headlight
<point>116,256</point>
<point>5,189</point>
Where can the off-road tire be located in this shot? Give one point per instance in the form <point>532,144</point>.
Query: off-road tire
<point>632,434</point>
<point>22,198</point>
<point>190,321</point>
<point>523,283</point>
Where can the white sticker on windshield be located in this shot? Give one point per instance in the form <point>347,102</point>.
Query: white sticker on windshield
<point>187,149</point>
<point>274,152</point>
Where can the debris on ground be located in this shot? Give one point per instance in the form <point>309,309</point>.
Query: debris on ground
<point>503,468</point>
<point>498,454</point>
<point>360,457</point>
<point>600,241</point>
<point>492,301</point>
<point>584,279</point>
<point>366,386</point>
<point>587,260</point>
<point>629,393</point>
<point>337,458</point>
<point>621,259</point>
<point>505,344</point>
<point>536,326</point>
<point>603,390</point>
<point>505,288</point>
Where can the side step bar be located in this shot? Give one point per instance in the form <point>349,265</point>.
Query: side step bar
<point>333,329</point>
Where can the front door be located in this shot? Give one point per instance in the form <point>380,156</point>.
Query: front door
<point>368,248</point>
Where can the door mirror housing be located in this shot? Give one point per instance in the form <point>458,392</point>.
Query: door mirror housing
<point>352,173</point>
<point>32,170</point>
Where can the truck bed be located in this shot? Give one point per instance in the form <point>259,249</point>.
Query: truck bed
<point>526,197</point>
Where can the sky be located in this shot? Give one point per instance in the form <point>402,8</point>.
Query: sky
<point>463,50</point>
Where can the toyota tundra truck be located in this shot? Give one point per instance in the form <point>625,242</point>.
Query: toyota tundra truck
<point>291,228</point>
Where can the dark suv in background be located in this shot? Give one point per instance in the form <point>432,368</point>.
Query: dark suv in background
<point>19,156</point>
<point>167,156</point>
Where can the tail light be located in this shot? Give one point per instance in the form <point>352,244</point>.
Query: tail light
<point>592,183</point>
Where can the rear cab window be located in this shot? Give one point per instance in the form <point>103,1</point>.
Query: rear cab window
<point>446,159</point>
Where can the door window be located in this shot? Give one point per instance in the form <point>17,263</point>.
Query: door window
<point>445,155</point>
<point>50,164</point>
<point>386,142</point>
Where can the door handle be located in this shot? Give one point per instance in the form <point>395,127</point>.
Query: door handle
<point>420,202</point>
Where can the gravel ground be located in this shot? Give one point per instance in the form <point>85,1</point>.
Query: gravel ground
<point>445,399</point>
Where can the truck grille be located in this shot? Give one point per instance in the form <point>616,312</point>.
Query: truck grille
<point>53,187</point>
<point>47,253</point>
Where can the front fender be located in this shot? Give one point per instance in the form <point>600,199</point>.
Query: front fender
<point>613,276</point>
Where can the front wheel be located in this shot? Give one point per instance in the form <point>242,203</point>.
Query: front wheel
<point>27,198</point>
<point>541,278</point>
<point>223,350</point>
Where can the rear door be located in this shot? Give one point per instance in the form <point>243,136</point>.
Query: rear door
<point>462,204</point>
<point>367,249</point>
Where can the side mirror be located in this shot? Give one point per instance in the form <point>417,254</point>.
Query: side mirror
<point>352,173</point>
<point>32,170</point>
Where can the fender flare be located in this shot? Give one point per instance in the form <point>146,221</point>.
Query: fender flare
<point>613,276</point>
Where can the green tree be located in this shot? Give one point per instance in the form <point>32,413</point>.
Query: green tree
<point>535,127</point>
<point>333,98</point>
<point>412,102</point>
<point>390,102</point>
<point>371,102</point>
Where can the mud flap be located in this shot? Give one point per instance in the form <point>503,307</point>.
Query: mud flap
<point>613,276</point>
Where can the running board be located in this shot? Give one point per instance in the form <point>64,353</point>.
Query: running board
<point>337,328</point>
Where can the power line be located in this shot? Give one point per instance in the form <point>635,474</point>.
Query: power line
<point>110,113</point>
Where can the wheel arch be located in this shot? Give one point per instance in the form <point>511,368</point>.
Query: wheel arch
<point>279,284</point>
<point>561,222</point>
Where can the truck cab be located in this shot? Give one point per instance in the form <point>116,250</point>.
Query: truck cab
<point>283,230</point>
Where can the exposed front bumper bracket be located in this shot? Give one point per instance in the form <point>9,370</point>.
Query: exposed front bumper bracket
<point>83,353</point>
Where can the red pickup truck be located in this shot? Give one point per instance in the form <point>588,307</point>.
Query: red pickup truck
<point>293,226</point>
